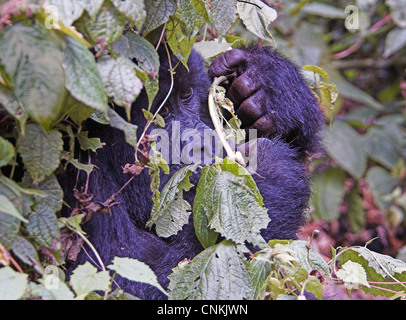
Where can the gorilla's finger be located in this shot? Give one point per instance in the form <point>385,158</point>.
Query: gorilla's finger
<point>228,62</point>
<point>264,126</point>
<point>241,88</point>
<point>251,109</point>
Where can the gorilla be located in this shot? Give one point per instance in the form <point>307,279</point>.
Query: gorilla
<point>269,95</point>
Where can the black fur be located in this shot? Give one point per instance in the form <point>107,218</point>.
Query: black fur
<point>291,126</point>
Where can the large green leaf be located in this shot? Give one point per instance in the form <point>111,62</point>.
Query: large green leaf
<point>12,284</point>
<point>218,273</point>
<point>6,152</point>
<point>158,12</point>
<point>172,212</point>
<point>33,59</point>
<point>68,11</point>
<point>180,44</point>
<point>224,12</point>
<point>82,76</point>
<point>381,183</point>
<point>86,279</point>
<point>27,253</point>
<point>133,9</point>
<point>43,226</point>
<point>257,17</point>
<point>135,270</point>
<point>231,205</point>
<point>328,192</point>
<point>40,151</point>
<point>347,148</point>
<point>13,107</point>
<point>120,80</point>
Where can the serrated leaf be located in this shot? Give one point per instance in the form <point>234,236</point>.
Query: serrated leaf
<point>106,27</point>
<point>9,227</point>
<point>58,291</point>
<point>6,152</point>
<point>172,212</point>
<point>257,17</point>
<point>33,59</point>
<point>158,12</point>
<point>352,274</point>
<point>347,148</point>
<point>12,284</point>
<point>133,9</point>
<point>82,76</point>
<point>26,252</point>
<point>135,270</point>
<point>43,226</point>
<point>259,269</point>
<point>327,194</point>
<point>231,206</point>
<point>40,150</point>
<point>120,80</point>
<point>224,12</point>
<point>217,273</point>
<point>85,279</point>
<point>129,129</point>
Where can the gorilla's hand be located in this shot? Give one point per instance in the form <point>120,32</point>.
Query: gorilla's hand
<point>246,91</point>
<point>270,95</point>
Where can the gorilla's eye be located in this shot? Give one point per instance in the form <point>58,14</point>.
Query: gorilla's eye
<point>186,94</point>
<point>164,112</point>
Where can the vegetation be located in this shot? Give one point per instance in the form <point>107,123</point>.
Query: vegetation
<point>62,62</point>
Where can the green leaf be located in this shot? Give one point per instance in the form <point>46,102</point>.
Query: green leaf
<point>33,59</point>
<point>395,40</point>
<point>308,259</point>
<point>92,6</point>
<point>259,269</point>
<point>7,207</point>
<point>43,226</point>
<point>135,270</point>
<point>133,9</point>
<point>328,192</point>
<point>324,10</point>
<point>313,285</point>
<point>129,129</point>
<point>224,12</point>
<point>180,44</point>
<point>58,291</point>
<point>257,17</point>
<point>355,209</point>
<point>27,253</point>
<point>12,284</point>
<point>106,27</point>
<point>9,227</point>
<point>158,12</point>
<point>218,273</point>
<point>231,204</point>
<point>13,107</point>
<point>347,148</point>
<point>353,274</point>
<point>87,143</point>
<point>172,211</point>
<point>381,183</point>
<point>82,76</point>
<point>398,12</point>
<point>379,269</point>
<point>120,80</point>
<point>85,279</point>
<point>40,151</point>
<point>6,152</point>
<point>68,11</point>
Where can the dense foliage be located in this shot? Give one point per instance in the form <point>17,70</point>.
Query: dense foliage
<point>62,62</point>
